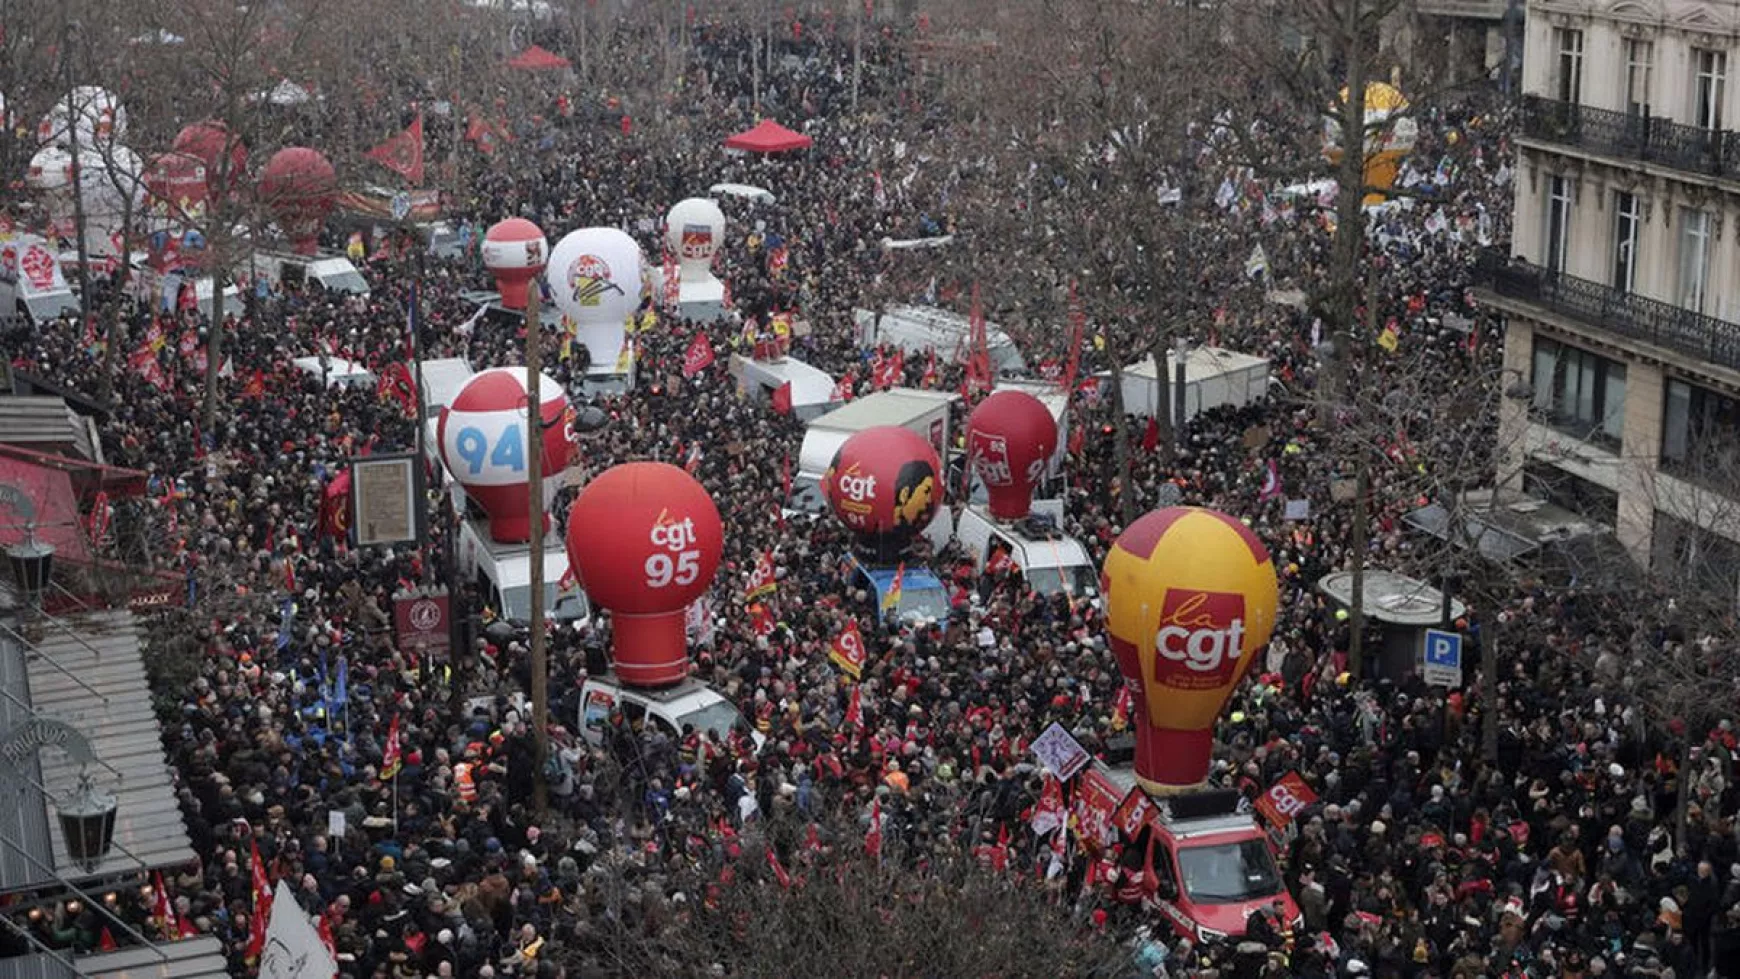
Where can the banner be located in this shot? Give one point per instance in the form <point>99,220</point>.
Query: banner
<point>699,356</point>
<point>1285,800</point>
<point>847,651</point>
<point>293,946</point>
<point>421,621</point>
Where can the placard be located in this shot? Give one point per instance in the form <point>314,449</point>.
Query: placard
<point>1060,752</point>
<point>384,507</point>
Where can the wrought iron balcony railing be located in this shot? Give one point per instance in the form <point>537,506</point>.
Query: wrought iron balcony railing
<point>1637,136</point>
<point>1625,314</point>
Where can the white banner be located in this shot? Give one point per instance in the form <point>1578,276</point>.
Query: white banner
<point>293,948</point>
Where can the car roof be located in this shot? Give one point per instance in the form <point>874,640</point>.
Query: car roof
<point>681,697</point>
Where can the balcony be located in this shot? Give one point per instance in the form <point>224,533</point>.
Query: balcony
<point>1714,152</point>
<point>1465,9</point>
<point>1669,327</point>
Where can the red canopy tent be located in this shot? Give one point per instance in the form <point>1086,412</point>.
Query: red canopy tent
<point>535,58</point>
<point>769,137</point>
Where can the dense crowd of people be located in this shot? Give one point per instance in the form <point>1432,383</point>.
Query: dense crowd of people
<point>1563,856</point>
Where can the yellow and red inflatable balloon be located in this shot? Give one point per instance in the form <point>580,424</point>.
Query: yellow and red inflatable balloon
<point>1190,601</point>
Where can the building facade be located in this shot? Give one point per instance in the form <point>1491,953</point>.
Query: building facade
<point>1621,293</point>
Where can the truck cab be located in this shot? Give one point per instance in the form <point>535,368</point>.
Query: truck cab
<point>1050,562</point>
<point>1204,861</point>
<point>331,272</point>
<point>689,704</point>
<point>923,597</point>
<point>503,574</point>
<point>31,282</point>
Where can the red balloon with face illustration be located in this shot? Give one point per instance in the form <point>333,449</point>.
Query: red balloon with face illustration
<point>644,539</point>
<point>1011,437</point>
<point>223,155</point>
<point>885,483</point>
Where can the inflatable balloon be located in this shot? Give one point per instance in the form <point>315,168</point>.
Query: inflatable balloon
<point>482,436</point>
<point>224,156</point>
<point>1010,438</point>
<point>644,539</point>
<point>694,229</point>
<point>176,183</point>
<point>1390,136</point>
<point>595,276</point>
<point>50,171</point>
<point>92,117</point>
<point>885,483</point>
<point>514,251</point>
<point>1190,601</point>
<point>298,186</point>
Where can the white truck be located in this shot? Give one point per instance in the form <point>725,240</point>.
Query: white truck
<point>811,387</point>
<point>332,272</point>
<point>31,282</point>
<point>1049,561</point>
<point>1213,377</point>
<point>921,329</point>
<point>503,574</point>
<point>924,412</point>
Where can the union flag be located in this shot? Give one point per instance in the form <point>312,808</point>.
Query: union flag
<point>403,154</point>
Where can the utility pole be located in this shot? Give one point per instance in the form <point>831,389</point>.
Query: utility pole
<point>535,502</point>
<point>857,48</point>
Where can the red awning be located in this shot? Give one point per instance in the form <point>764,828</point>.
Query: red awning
<point>535,58</point>
<point>38,501</point>
<point>85,476</point>
<point>769,137</point>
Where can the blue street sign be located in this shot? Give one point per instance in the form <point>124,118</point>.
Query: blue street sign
<point>1443,649</point>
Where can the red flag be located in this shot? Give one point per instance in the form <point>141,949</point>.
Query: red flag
<point>1077,331</point>
<point>1271,481</point>
<point>782,398</point>
<point>1077,440</point>
<point>163,911</point>
<point>324,930</point>
<point>1151,436</point>
<point>403,154</point>
<point>929,379</point>
<point>979,353</point>
<point>397,385</point>
<point>761,621</point>
<point>699,356</point>
<point>886,372</point>
<point>1121,707</point>
<point>763,580</point>
<point>479,133</point>
<point>779,871</point>
<point>673,283</point>
<point>256,386</point>
<point>847,651</point>
<point>262,888</point>
<point>392,759</point>
<point>873,836</point>
<point>335,508</point>
<point>855,708</point>
<point>106,943</point>
<point>843,389</point>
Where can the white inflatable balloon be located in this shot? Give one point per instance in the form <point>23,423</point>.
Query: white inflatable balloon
<point>50,172</point>
<point>101,119</point>
<point>595,275</point>
<point>694,230</point>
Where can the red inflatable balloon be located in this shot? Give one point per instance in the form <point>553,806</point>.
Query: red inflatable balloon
<point>209,142</point>
<point>886,484</point>
<point>298,185</point>
<point>515,252</point>
<point>644,539</point>
<point>482,436</point>
<point>1010,438</point>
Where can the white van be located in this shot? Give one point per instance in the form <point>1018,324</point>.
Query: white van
<point>503,573</point>
<point>331,272</point>
<point>673,709</point>
<point>335,372</point>
<point>31,282</point>
<point>811,387</point>
<point>921,329</point>
<point>1051,562</point>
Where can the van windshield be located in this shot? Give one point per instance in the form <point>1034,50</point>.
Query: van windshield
<point>1006,359</point>
<point>517,604</point>
<point>350,282</point>
<point>1229,873</point>
<point>1078,582</point>
<point>917,604</point>
<point>719,717</point>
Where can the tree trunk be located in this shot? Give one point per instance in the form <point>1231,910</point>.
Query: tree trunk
<point>1121,447</point>
<point>1489,633</point>
<point>1163,397</point>
<point>1683,787</point>
<point>1349,226</point>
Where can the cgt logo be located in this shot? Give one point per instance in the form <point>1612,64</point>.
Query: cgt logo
<point>1201,632</point>
<point>855,486</point>
<point>991,459</point>
<point>670,533</point>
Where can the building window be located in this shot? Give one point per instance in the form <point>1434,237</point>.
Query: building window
<point>1587,499</point>
<point>1694,561</point>
<point>1639,60</point>
<point>1570,80</point>
<point>1700,434</point>
<point>1708,82</point>
<point>1626,225</point>
<point>1694,257</point>
<point>1580,393</point>
<point>1558,222</point>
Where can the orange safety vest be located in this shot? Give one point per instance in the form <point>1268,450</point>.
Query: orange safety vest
<point>463,782</point>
